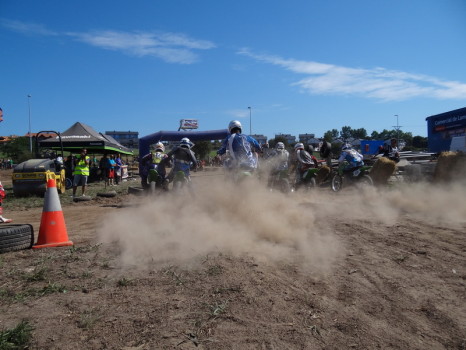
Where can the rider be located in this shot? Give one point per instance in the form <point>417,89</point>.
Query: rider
<point>391,151</point>
<point>353,158</point>
<point>279,158</point>
<point>157,159</point>
<point>302,161</point>
<point>183,159</point>
<point>240,148</point>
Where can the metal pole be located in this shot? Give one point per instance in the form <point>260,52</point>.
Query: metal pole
<point>397,131</point>
<point>30,136</point>
<point>250,122</point>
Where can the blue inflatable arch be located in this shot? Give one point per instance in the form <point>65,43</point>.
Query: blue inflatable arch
<point>146,141</point>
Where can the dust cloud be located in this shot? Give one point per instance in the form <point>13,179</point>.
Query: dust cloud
<point>220,217</point>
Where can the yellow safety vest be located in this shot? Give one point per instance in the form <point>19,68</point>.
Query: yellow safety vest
<point>82,168</point>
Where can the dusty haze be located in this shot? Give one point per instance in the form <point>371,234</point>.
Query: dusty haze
<point>219,217</point>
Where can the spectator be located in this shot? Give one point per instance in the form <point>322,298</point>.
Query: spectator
<point>111,173</point>
<point>118,169</point>
<point>2,195</point>
<point>81,172</point>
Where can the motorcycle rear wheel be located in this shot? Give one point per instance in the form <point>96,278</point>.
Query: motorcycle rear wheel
<point>365,181</point>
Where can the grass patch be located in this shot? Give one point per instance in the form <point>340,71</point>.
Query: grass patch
<point>88,319</point>
<point>39,274</point>
<point>214,270</point>
<point>124,282</point>
<point>16,338</point>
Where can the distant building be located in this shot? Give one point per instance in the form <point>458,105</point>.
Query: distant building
<point>304,138</point>
<point>260,138</point>
<point>290,139</point>
<point>128,139</point>
<point>446,131</point>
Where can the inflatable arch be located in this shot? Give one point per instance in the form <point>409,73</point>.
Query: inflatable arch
<point>146,141</point>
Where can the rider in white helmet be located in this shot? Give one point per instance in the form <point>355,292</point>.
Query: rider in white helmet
<point>279,160</point>
<point>351,157</point>
<point>240,148</point>
<point>183,159</point>
<point>158,160</point>
<point>301,161</point>
<point>280,157</point>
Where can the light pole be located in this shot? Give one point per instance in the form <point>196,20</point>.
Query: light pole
<point>30,136</point>
<point>250,121</point>
<point>397,128</point>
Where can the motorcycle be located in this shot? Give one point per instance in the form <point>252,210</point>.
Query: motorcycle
<point>280,181</point>
<point>309,178</point>
<point>156,181</point>
<point>358,176</point>
<point>179,180</point>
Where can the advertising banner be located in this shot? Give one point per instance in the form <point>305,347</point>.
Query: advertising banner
<point>188,124</point>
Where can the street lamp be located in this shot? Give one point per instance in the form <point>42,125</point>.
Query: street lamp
<point>397,127</point>
<point>30,136</point>
<point>250,121</point>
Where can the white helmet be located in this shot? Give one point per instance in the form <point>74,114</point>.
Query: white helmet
<point>280,145</point>
<point>159,146</point>
<point>234,124</point>
<point>185,142</point>
<point>345,147</point>
<point>299,145</point>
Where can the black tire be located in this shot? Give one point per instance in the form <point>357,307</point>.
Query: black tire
<point>365,181</point>
<point>312,183</point>
<point>16,237</point>
<point>82,199</point>
<point>138,191</point>
<point>285,186</point>
<point>177,185</point>
<point>68,183</point>
<point>337,183</point>
<point>108,194</point>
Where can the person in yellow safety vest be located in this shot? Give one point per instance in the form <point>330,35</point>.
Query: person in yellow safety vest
<point>81,172</point>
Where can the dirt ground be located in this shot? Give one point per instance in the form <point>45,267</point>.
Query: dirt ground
<point>239,267</point>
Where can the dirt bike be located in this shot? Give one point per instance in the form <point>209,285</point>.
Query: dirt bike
<point>156,181</point>
<point>308,179</point>
<point>179,180</point>
<point>280,181</point>
<point>358,176</point>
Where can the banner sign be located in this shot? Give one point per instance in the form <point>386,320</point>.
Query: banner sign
<point>188,124</point>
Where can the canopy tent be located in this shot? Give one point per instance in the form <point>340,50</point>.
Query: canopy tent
<point>80,135</point>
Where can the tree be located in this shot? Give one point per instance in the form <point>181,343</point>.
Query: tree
<point>277,139</point>
<point>375,135</point>
<point>202,149</point>
<point>419,142</point>
<point>360,133</point>
<point>17,149</point>
<point>346,132</point>
<point>331,135</point>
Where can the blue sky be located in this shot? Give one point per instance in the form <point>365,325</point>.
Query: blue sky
<point>302,66</point>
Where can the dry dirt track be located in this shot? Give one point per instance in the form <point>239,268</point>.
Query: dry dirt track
<point>242,268</point>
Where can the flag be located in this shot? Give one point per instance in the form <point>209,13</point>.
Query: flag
<point>1,115</point>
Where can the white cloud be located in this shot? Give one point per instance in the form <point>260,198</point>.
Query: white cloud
<point>378,83</point>
<point>26,28</point>
<point>170,47</point>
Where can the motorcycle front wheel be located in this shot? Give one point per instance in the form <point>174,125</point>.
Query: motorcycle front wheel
<point>337,183</point>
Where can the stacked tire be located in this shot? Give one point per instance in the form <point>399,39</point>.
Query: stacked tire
<point>16,237</point>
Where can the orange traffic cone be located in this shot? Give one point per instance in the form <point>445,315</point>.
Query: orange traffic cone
<point>52,232</point>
